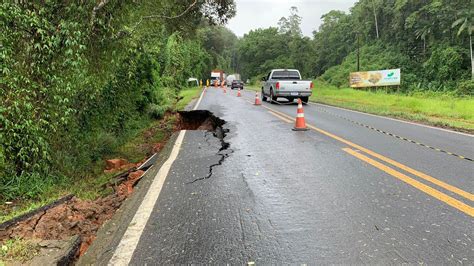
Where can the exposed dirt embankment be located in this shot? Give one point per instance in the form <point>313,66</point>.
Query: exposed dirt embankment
<point>72,216</point>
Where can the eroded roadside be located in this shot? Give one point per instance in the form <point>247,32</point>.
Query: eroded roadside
<point>71,225</point>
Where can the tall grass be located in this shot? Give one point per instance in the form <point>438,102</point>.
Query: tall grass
<point>431,108</point>
<point>186,95</point>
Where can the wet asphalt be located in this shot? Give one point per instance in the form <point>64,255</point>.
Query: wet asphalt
<point>296,197</point>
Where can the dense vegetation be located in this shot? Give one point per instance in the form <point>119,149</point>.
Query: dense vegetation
<point>429,40</point>
<point>79,76</point>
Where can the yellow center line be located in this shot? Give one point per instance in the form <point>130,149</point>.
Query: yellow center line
<point>274,113</point>
<point>417,173</point>
<point>427,189</point>
<point>281,117</point>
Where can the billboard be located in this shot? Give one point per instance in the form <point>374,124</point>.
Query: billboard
<point>390,77</point>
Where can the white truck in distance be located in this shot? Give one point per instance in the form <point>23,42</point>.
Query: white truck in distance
<point>231,78</point>
<point>217,76</point>
<point>286,83</point>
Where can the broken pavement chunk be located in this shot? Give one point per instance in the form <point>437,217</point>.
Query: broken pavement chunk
<point>114,164</point>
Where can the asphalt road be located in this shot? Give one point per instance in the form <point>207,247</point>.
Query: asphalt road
<point>355,188</point>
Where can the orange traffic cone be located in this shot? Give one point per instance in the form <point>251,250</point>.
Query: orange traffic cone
<point>257,99</point>
<point>300,124</point>
<point>238,93</point>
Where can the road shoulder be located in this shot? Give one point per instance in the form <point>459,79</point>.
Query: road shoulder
<point>110,234</point>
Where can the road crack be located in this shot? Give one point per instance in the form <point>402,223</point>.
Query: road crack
<point>224,151</point>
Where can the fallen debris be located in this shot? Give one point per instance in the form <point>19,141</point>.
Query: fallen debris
<point>114,165</point>
<point>70,217</point>
<point>9,223</point>
<point>55,226</point>
<point>74,217</point>
<point>57,252</point>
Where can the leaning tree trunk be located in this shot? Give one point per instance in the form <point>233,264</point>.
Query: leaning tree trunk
<point>376,22</point>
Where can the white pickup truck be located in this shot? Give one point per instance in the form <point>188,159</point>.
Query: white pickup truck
<point>286,83</point>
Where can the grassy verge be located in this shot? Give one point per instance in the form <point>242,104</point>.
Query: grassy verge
<point>91,185</point>
<point>17,250</point>
<point>186,95</point>
<point>252,88</point>
<point>438,110</point>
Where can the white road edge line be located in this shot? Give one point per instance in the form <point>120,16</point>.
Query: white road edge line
<point>200,98</point>
<point>394,119</point>
<point>125,249</point>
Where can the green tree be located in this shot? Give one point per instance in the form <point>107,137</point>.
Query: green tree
<point>262,49</point>
<point>417,36</point>
<point>465,24</point>
<point>77,77</point>
<point>220,44</point>
<point>292,24</point>
<point>333,41</point>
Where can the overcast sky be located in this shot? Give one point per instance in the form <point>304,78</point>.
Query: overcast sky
<point>265,13</point>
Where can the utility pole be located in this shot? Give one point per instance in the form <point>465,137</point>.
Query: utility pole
<point>358,52</point>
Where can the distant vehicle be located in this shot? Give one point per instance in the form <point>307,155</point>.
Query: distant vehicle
<point>286,83</point>
<point>193,81</point>
<point>231,78</point>
<point>237,84</point>
<point>217,76</point>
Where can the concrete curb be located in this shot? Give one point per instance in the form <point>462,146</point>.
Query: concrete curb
<point>70,254</point>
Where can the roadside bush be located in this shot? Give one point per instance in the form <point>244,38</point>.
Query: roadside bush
<point>28,185</point>
<point>374,57</point>
<point>36,101</point>
<point>36,157</point>
<point>445,64</point>
<point>255,81</point>
<point>465,88</point>
<point>71,92</point>
<point>441,73</point>
<point>156,111</point>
